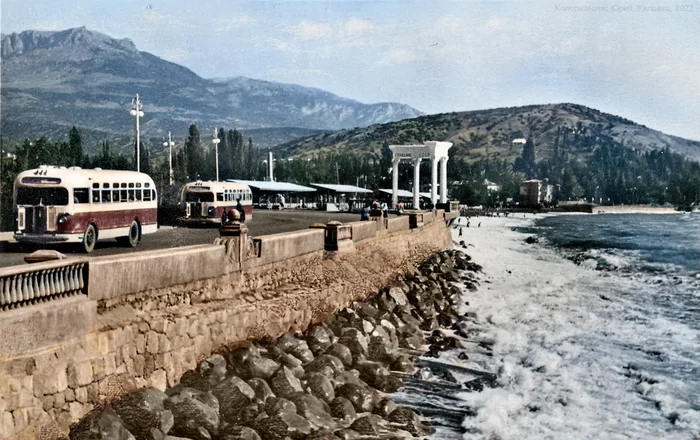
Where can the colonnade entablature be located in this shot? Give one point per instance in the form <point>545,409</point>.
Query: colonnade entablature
<point>436,152</point>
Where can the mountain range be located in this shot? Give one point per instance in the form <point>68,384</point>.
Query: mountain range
<point>54,80</point>
<point>481,133</point>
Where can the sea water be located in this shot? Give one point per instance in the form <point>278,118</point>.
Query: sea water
<point>592,333</point>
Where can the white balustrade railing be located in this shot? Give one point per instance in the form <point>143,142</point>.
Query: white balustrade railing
<point>27,286</point>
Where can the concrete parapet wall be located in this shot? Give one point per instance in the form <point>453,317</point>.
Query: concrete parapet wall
<point>151,337</point>
<point>363,230</point>
<point>128,273</point>
<point>397,224</point>
<point>278,247</point>
<point>26,329</point>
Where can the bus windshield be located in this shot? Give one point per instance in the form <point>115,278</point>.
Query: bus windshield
<point>199,197</point>
<point>45,196</point>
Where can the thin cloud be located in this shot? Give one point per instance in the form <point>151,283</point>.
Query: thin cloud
<point>397,57</point>
<point>236,22</point>
<point>310,31</point>
<point>356,26</point>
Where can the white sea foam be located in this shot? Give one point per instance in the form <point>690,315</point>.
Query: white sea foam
<point>577,355</point>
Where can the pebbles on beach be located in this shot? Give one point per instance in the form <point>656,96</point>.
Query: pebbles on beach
<point>332,382</point>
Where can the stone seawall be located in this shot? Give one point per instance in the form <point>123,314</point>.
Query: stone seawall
<point>151,338</point>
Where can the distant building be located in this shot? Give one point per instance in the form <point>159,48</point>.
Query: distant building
<point>535,192</point>
<point>519,141</point>
<point>491,187</point>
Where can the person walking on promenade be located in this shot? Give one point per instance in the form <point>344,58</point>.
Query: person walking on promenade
<point>239,208</point>
<point>460,231</point>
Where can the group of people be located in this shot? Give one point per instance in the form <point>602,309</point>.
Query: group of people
<point>376,210</point>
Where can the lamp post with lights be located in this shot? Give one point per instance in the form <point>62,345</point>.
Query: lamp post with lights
<point>170,145</point>
<point>137,112</point>
<point>215,140</point>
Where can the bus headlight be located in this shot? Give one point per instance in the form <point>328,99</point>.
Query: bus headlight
<point>62,218</point>
<point>211,211</point>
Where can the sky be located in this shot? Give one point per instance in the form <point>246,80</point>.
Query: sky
<point>639,60</point>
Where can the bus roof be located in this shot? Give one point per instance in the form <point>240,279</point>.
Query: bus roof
<point>214,186</point>
<point>78,176</point>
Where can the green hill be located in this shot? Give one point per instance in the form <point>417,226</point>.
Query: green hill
<point>476,134</point>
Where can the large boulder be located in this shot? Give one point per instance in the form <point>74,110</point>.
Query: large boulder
<point>289,343</point>
<point>319,339</point>
<point>342,408</point>
<point>366,425</point>
<point>142,410</point>
<point>237,432</point>
<point>384,407</point>
<point>410,421</point>
<point>207,374</point>
<point>261,388</point>
<point>380,347</point>
<point>360,396</point>
<point>320,386</point>
<point>325,363</point>
<point>347,434</point>
<point>342,352</point>
<point>284,383</point>
<point>239,356</point>
<point>322,434</point>
<point>283,425</point>
<point>355,340</point>
<point>233,395</point>
<point>257,367</point>
<point>287,360</point>
<point>276,405</point>
<point>100,426</point>
<point>196,414</point>
<point>314,410</point>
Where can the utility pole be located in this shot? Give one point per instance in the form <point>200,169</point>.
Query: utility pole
<point>138,113</point>
<point>170,144</point>
<point>216,141</point>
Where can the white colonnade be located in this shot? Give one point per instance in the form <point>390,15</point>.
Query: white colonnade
<point>433,150</point>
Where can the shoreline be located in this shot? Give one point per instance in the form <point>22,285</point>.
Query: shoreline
<point>569,346</point>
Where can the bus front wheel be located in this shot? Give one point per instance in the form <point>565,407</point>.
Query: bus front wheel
<point>89,239</point>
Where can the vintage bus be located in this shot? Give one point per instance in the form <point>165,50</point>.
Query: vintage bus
<point>72,205</point>
<point>208,202</point>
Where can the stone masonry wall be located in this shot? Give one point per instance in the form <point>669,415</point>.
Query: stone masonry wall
<point>152,338</point>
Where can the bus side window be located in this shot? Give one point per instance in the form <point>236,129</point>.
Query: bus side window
<point>131,194</point>
<point>81,195</point>
<point>146,195</point>
<point>106,196</point>
<point>138,195</point>
<point>153,194</point>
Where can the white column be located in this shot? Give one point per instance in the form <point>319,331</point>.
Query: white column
<point>416,183</point>
<point>443,180</point>
<point>395,182</point>
<point>434,181</point>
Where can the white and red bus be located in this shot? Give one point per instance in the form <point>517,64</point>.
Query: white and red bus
<point>72,205</point>
<point>208,202</point>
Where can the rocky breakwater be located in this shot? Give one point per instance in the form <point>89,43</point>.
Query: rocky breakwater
<point>332,382</point>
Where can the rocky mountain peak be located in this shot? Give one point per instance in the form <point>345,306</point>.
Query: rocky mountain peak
<point>28,41</point>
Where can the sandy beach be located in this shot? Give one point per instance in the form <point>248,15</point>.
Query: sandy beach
<point>567,344</point>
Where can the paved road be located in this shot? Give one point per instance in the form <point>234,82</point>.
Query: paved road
<point>264,222</point>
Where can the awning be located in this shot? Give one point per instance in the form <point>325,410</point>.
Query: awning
<point>406,194</point>
<point>274,186</point>
<point>342,188</point>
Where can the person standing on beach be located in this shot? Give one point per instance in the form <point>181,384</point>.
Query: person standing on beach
<point>460,231</point>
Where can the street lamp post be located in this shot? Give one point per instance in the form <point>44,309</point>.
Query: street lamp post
<point>170,144</point>
<point>216,141</point>
<point>136,111</point>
